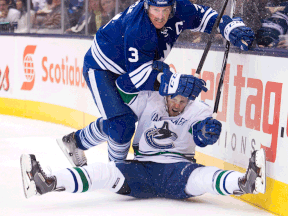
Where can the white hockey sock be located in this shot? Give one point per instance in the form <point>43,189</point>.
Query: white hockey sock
<point>226,181</point>
<point>212,180</point>
<point>89,178</point>
<point>92,134</point>
<point>117,151</point>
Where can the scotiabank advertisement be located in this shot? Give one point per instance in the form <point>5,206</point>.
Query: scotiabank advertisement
<point>46,70</point>
<point>252,109</point>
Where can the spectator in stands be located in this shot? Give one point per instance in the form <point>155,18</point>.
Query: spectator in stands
<point>12,4</point>
<point>51,19</point>
<point>123,4</point>
<point>274,27</point>
<point>252,12</point>
<point>108,10</point>
<point>21,6</point>
<point>8,14</point>
<point>39,4</point>
<point>75,10</point>
<point>94,19</point>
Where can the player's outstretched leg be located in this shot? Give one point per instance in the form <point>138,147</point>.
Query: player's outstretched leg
<point>35,181</point>
<point>228,182</point>
<point>75,155</point>
<point>254,180</point>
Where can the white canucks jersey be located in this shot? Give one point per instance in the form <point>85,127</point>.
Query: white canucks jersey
<point>160,138</point>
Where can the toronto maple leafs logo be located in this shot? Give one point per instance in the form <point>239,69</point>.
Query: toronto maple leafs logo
<point>166,52</point>
<point>160,138</point>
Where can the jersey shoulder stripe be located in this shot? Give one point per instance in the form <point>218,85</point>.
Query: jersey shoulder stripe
<point>104,62</point>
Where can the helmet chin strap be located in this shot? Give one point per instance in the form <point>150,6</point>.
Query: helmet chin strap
<point>166,106</point>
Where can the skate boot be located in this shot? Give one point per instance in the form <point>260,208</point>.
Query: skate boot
<point>35,181</point>
<point>254,181</point>
<point>69,147</point>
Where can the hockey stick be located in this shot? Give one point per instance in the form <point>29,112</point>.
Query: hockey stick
<point>224,63</point>
<point>211,36</point>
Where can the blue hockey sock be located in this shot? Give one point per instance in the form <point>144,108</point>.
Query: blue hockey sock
<point>117,151</point>
<point>90,136</point>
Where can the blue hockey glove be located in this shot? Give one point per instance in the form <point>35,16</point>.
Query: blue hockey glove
<point>176,84</point>
<point>237,33</point>
<point>267,37</point>
<point>268,34</point>
<point>240,34</point>
<point>206,132</point>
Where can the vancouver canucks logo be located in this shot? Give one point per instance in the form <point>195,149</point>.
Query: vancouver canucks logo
<point>161,138</point>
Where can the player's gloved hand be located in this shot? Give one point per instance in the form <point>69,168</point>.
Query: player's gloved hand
<point>206,132</point>
<point>235,31</point>
<point>180,84</point>
<point>267,37</point>
<point>268,34</point>
<point>240,36</point>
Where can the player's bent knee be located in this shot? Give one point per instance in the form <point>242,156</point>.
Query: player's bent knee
<point>122,128</point>
<point>107,176</point>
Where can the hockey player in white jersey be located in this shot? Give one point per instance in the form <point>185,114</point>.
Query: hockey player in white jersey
<point>126,52</point>
<point>164,165</point>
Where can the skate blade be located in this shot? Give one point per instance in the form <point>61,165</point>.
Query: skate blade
<point>64,150</point>
<point>29,185</point>
<point>260,183</point>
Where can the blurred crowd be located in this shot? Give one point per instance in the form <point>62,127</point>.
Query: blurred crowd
<point>268,18</point>
<point>51,16</point>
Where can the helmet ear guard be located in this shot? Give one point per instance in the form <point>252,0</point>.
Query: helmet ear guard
<point>146,6</point>
<point>161,3</point>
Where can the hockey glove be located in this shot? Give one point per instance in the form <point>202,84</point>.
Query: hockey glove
<point>268,34</point>
<point>206,132</point>
<point>237,33</point>
<point>176,84</point>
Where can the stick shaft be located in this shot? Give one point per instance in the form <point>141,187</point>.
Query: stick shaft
<point>224,64</point>
<point>221,80</point>
<point>211,36</point>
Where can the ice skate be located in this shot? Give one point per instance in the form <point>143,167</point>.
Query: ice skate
<point>35,181</point>
<point>69,147</point>
<point>254,181</point>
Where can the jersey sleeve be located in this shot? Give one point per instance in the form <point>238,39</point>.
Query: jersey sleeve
<point>200,18</point>
<point>197,18</point>
<point>140,45</point>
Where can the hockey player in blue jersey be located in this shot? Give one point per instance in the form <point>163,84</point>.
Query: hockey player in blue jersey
<point>127,56</point>
<point>168,131</point>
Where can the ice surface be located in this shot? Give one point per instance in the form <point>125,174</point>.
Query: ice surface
<point>20,135</point>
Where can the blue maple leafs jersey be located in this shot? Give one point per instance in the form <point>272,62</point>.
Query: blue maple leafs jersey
<point>129,43</point>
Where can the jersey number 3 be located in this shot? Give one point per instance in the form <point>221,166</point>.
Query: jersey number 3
<point>134,55</point>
